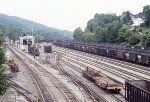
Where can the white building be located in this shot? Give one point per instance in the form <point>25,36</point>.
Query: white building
<point>136,24</point>
<point>25,41</point>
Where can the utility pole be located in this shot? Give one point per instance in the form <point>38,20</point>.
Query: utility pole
<point>32,30</point>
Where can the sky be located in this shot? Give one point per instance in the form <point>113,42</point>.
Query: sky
<point>67,14</point>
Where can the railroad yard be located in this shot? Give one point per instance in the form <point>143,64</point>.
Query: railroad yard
<point>67,75</point>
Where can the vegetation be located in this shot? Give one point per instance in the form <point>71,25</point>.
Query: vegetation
<point>110,28</point>
<point>14,27</point>
<point>3,77</point>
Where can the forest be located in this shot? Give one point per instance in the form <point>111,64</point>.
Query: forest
<point>14,27</point>
<point>110,28</point>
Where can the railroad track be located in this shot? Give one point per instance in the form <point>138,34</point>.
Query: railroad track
<point>135,67</point>
<point>23,94</point>
<point>83,85</point>
<point>94,61</point>
<point>28,95</point>
<point>119,97</point>
<point>119,72</point>
<point>44,94</point>
<point>80,83</point>
<point>107,68</point>
<point>95,96</point>
<point>70,97</point>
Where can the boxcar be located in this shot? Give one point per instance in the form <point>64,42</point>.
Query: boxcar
<point>137,91</point>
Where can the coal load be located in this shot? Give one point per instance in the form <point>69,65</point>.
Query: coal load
<point>33,50</point>
<point>48,49</point>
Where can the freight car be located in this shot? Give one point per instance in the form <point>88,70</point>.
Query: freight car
<point>137,91</point>
<point>33,50</point>
<point>13,66</point>
<point>134,54</point>
<point>47,49</point>
<point>102,81</point>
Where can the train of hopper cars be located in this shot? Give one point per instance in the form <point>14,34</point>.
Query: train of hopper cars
<point>135,54</point>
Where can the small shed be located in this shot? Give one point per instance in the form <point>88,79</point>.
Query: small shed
<point>26,41</point>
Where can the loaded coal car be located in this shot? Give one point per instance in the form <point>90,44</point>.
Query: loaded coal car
<point>120,54</point>
<point>143,58</point>
<point>137,91</point>
<point>71,46</point>
<point>95,50</point>
<point>47,49</point>
<point>89,49</point>
<point>84,49</point>
<point>102,81</point>
<point>33,50</point>
<point>102,51</point>
<point>131,56</point>
<point>79,48</point>
<point>111,53</point>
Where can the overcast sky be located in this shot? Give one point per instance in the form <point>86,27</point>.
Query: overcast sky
<point>67,14</point>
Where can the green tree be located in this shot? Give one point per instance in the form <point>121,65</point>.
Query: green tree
<point>77,34</point>
<point>101,34</point>
<point>87,36</point>
<point>3,77</point>
<point>146,40</point>
<point>126,17</point>
<point>146,12</point>
<point>113,31</point>
<point>133,40</point>
<point>122,35</point>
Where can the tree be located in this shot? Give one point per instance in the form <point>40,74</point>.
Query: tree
<point>146,40</point>
<point>146,12</point>
<point>113,31</point>
<point>126,17</point>
<point>133,40</point>
<point>123,34</point>
<point>3,77</point>
<point>87,36</point>
<point>77,34</point>
<point>101,34</point>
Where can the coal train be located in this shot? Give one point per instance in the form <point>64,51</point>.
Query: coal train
<point>134,54</point>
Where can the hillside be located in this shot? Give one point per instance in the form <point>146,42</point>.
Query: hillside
<point>123,29</point>
<point>14,27</point>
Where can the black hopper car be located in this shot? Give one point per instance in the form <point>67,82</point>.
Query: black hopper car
<point>47,49</point>
<point>137,91</point>
<point>33,50</point>
<point>134,54</point>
